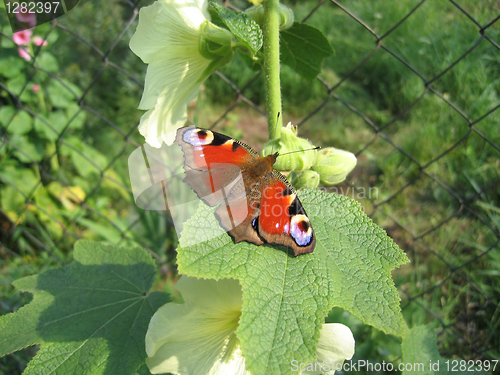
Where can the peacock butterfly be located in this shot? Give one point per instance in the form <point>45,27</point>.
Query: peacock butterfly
<point>257,203</point>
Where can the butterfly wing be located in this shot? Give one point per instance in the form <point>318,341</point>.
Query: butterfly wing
<point>213,161</point>
<point>257,203</point>
<point>214,165</point>
<point>282,219</point>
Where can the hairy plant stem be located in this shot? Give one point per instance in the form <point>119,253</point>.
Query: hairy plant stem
<point>272,67</point>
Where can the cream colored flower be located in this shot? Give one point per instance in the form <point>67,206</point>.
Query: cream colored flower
<point>199,336</point>
<point>168,38</point>
<point>335,345</point>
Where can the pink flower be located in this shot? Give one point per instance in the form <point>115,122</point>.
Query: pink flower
<point>22,38</point>
<point>39,41</point>
<point>35,88</point>
<point>24,53</point>
<point>29,18</point>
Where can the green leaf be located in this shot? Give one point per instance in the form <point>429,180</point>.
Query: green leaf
<point>9,63</point>
<point>243,27</point>
<point>303,48</point>
<point>48,62</point>
<point>286,299</point>
<point>215,18</point>
<point>63,94</point>
<point>17,123</point>
<point>17,84</point>
<point>249,61</point>
<point>27,151</point>
<point>86,159</point>
<point>57,121</point>
<point>76,115</point>
<point>5,42</point>
<point>90,316</point>
<point>419,348</point>
<point>23,178</point>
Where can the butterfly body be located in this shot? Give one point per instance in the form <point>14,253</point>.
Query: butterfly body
<point>256,203</point>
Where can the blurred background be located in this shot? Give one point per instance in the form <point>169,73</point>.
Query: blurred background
<point>413,89</point>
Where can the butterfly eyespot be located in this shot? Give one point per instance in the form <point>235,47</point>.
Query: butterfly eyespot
<point>301,230</point>
<point>198,137</point>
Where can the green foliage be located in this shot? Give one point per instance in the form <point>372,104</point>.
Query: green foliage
<point>90,316</point>
<point>303,48</point>
<point>243,27</point>
<point>419,348</point>
<point>285,299</point>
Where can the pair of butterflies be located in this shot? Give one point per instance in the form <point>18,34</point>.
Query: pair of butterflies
<point>256,203</point>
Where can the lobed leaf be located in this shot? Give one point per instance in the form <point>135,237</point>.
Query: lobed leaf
<point>90,316</point>
<point>286,299</point>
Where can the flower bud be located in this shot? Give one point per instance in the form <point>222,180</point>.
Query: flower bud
<point>257,14</point>
<point>289,146</point>
<point>333,165</point>
<point>286,17</point>
<point>306,179</point>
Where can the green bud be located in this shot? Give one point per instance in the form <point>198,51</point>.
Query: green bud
<point>215,42</point>
<point>289,147</point>
<point>333,165</point>
<point>256,13</point>
<point>306,179</point>
<point>286,15</point>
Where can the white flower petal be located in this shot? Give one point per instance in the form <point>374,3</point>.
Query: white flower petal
<point>198,337</point>
<point>167,24</point>
<point>167,38</point>
<point>335,345</point>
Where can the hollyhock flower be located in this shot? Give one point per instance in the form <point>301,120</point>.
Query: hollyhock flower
<point>199,336</point>
<point>39,41</point>
<point>23,52</point>
<point>335,345</point>
<point>22,38</point>
<point>181,48</point>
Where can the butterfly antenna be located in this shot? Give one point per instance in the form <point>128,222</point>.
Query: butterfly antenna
<point>308,149</point>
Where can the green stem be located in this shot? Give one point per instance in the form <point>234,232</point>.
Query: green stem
<point>271,33</point>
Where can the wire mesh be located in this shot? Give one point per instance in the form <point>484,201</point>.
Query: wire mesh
<point>469,329</point>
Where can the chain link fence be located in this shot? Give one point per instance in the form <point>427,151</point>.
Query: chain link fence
<point>448,226</point>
